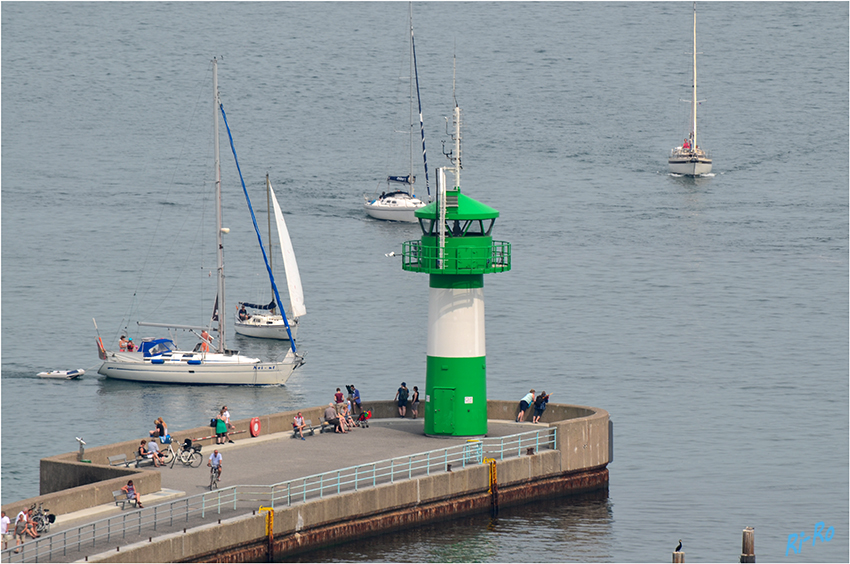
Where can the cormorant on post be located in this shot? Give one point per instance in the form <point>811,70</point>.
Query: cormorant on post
<point>679,548</point>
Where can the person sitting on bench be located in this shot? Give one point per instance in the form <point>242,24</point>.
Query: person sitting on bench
<point>132,494</point>
<point>299,425</point>
<point>153,450</point>
<point>332,418</point>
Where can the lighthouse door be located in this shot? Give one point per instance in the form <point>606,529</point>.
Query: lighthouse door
<point>443,415</point>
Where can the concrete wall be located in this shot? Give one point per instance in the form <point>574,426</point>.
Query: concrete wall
<point>582,440</point>
<point>345,516</point>
<point>88,495</point>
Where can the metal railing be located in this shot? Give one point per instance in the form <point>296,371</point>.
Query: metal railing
<point>165,516</point>
<point>473,259</point>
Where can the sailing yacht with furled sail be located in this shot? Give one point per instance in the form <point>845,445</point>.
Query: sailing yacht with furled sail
<point>399,204</point>
<point>690,159</point>
<point>261,320</point>
<point>210,362</point>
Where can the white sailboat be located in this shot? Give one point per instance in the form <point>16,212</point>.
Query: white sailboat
<point>262,321</point>
<point>400,204</point>
<point>210,362</point>
<point>689,159</point>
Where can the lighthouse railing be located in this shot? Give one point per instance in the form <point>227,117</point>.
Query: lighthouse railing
<point>463,259</point>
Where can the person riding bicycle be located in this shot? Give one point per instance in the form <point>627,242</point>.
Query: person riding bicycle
<point>215,462</point>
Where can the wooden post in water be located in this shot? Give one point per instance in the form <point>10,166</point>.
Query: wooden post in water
<point>678,558</point>
<point>748,545</point>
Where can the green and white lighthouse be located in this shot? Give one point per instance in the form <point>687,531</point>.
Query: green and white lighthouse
<point>456,249</point>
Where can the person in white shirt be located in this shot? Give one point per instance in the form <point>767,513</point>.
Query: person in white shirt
<point>225,415</point>
<point>298,424</point>
<point>153,450</point>
<point>215,462</point>
<point>5,522</point>
<point>20,528</point>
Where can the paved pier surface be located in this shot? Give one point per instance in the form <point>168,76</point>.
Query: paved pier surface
<point>274,458</point>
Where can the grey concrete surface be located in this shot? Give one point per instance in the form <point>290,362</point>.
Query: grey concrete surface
<point>276,457</point>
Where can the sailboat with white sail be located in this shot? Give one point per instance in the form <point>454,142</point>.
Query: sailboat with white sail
<point>689,159</point>
<point>398,202</point>
<point>262,320</point>
<point>210,361</point>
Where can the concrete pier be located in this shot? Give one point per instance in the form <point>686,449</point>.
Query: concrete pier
<point>80,493</point>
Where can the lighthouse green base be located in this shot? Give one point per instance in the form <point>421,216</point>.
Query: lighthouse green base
<point>456,396</point>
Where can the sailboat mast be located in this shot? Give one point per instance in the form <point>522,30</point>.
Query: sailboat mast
<point>410,99</point>
<point>457,126</point>
<point>269,215</point>
<point>218,231</point>
<point>419,102</point>
<point>694,102</point>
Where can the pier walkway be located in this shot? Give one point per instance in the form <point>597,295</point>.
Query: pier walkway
<point>258,461</point>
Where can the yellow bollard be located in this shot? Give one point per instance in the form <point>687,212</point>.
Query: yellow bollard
<point>269,530</point>
<point>494,487</point>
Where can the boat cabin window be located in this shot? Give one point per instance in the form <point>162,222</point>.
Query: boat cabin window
<point>458,227</point>
<point>160,348</point>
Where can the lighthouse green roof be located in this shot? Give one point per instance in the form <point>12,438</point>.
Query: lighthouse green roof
<point>466,208</point>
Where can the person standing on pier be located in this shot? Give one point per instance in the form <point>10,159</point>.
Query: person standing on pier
<point>338,400</point>
<point>20,528</point>
<point>401,396</point>
<point>526,400</point>
<point>5,522</point>
<point>225,415</point>
<point>220,428</point>
<point>540,406</point>
<point>355,398</point>
<point>414,402</point>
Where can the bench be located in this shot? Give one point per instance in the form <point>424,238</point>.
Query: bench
<point>308,429</point>
<point>142,460</point>
<point>121,498</point>
<point>327,427</point>
<point>118,460</point>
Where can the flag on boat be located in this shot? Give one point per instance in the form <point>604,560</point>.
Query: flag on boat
<point>402,179</point>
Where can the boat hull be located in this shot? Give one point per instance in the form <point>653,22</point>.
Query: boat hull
<point>689,166</point>
<point>266,327</point>
<point>206,373</point>
<point>62,374</point>
<point>394,208</point>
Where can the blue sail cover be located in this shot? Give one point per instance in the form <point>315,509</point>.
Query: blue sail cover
<point>272,305</point>
<point>156,347</point>
<point>401,179</point>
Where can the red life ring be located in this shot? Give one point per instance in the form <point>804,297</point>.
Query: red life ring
<point>255,427</point>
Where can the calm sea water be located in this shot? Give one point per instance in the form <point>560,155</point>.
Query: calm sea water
<point>709,317</point>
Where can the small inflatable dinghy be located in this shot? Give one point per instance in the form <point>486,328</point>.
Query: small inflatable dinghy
<point>63,374</point>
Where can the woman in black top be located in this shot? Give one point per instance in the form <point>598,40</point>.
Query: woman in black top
<point>539,406</point>
<point>414,407</point>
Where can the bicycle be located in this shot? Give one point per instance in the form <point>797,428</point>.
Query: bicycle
<point>215,474</point>
<point>189,454</point>
<point>168,455</point>
<point>41,519</point>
